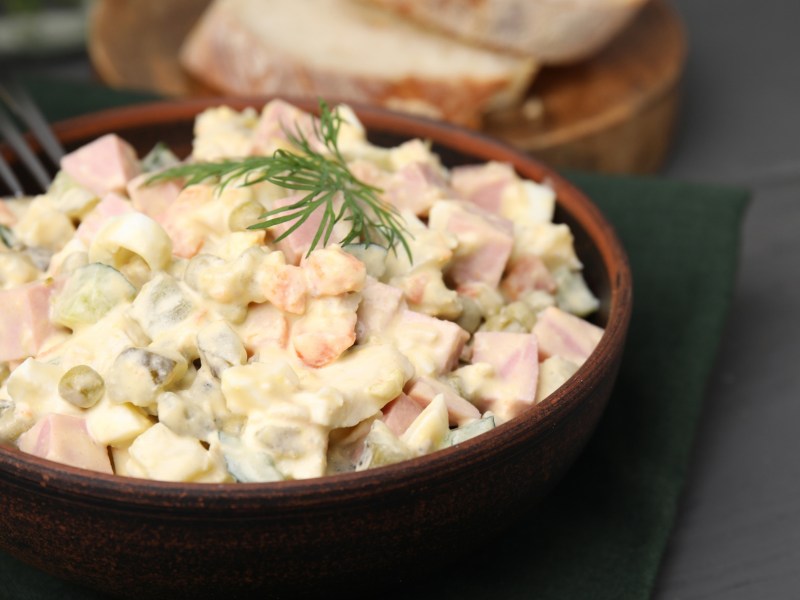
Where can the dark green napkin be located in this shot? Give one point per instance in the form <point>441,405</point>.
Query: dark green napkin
<point>602,533</point>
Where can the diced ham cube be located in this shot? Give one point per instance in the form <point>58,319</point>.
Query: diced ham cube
<point>153,199</point>
<point>483,185</point>
<point>415,187</point>
<point>514,357</point>
<point>24,320</point>
<point>432,345</point>
<point>295,246</point>
<point>380,304</point>
<point>525,274</point>
<point>277,118</point>
<point>332,271</point>
<point>105,165</point>
<point>459,410</point>
<point>563,334</point>
<point>65,439</point>
<point>188,234</point>
<point>485,242</point>
<point>112,205</point>
<point>400,413</point>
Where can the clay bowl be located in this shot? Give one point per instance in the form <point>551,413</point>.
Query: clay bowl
<point>137,538</point>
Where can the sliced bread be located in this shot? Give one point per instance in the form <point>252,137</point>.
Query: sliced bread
<point>345,50</point>
<point>554,31</point>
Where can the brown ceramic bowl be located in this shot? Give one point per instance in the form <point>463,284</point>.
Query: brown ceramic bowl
<point>145,539</point>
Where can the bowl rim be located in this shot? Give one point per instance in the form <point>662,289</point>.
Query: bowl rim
<point>89,487</point>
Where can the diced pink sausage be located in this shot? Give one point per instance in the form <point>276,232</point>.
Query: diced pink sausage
<point>65,439</point>
<point>485,242</point>
<point>187,237</point>
<point>332,271</point>
<point>153,199</point>
<point>483,184</point>
<point>400,413</point>
<point>415,187</point>
<point>515,359</point>
<point>7,217</point>
<point>380,304</point>
<point>448,338</point>
<point>111,205</point>
<point>105,165</point>
<point>424,389</point>
<point>277,118</point>
<point>295,246</point>
<point>563,334</point>
<point>24,320</point>
<point>526,274</point>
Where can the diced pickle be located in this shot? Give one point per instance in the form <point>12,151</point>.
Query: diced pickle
<point>160,305</point>
<point>39,256</point>
<point>197,266</point>
<point>220,347</point>
<point>573,295</point>
<point>245,215</point>
<point>372,255</point>
<point>7,238</point>
<point>13,423</point>
<point>160,157</point>
<point>81,386</point>
<point>382,447</point>
<point>138,375</point>
<point>89,293</point>
<point>246,464</point>
<point>469,431</point>
<point>471,316</point>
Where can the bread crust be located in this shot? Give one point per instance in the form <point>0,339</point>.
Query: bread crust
<point>235,60</point>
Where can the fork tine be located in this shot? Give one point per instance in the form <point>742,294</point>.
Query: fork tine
<point>20,102</point>
<point>7,175</point>
<point>17,143</point>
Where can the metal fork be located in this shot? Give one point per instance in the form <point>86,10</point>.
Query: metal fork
<point>15,100</point>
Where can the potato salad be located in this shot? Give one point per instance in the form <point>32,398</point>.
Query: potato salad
<point>148,330</point>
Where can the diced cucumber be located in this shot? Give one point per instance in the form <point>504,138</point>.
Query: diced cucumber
<point>89,293</point>
<point>382,447</point>
<point>160,305</point>
<point>138,375</point>
<point>469,431</point>
<point>245,464</point>
<point>573,295</point>
<point>220,347</point>
<point>372,255</point>
<point>245,215</point>
<point>159,158</point>
<point>7,237</point>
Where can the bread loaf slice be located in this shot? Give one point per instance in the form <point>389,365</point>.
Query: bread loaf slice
<point>345,50</point>
<point>555,31</point>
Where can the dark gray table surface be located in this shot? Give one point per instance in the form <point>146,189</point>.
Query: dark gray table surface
<point>738,531</point>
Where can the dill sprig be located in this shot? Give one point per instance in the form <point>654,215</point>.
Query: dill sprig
<point>323,174</point>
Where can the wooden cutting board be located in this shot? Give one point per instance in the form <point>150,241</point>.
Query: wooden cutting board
<point>613,113</point>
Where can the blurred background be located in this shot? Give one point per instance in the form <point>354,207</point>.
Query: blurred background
<point>699,90</point>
